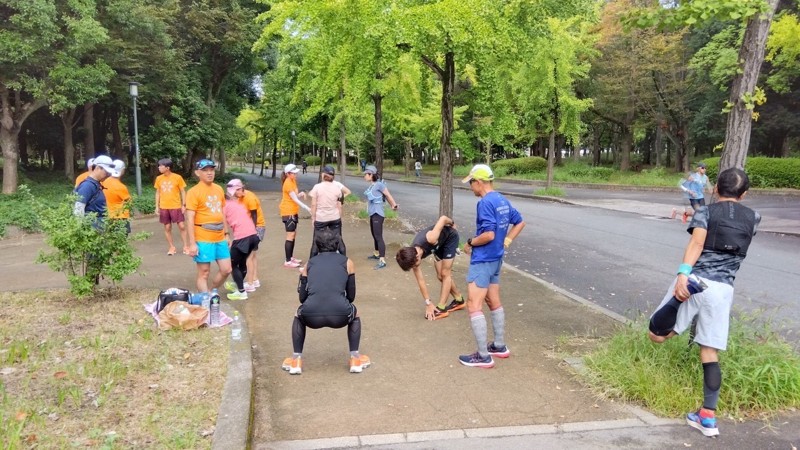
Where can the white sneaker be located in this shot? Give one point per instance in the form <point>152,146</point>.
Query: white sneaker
<point>256,284</point>
<point>298,261</point>
<point>237,295</point>
<point>249,287</point>
<point>291,264</point>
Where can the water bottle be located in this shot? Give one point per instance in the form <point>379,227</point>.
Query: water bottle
<point>205,300</point>
<point>236,327</point>
<point>214,319</point>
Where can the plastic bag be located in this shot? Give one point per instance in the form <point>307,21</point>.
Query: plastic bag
<point>182,315</point>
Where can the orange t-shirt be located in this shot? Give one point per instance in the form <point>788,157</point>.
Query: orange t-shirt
<point>116,196</point>
<point>81,177</point>
<point>207,203</point>
<point>251,202</point>
<point>169,190</point>
<point>287,206</point>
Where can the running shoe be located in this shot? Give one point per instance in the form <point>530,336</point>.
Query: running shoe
<point>476,360</point>
<point>291,264</point>
<point>257,284</point>
<point>293,365</point>
<point>455,305</point>
<point>171,251</point>
<point>237,295</point>
<point>231,286</point>
<point>684,217</point>
<point>706,425</point>
<point>499,351</point>
<point>380,265</point>
<point>298,261</point>
<point>249,287</point>
<point>375,257</point>
<point>439,314</point>
<point>359,364</point>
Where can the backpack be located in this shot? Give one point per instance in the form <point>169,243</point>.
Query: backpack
<point>170,295</point>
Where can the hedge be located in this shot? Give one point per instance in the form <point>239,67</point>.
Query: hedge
<point>764,172</point>
<point>520,165</point>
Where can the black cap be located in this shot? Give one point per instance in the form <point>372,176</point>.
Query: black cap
<point>329,170</point>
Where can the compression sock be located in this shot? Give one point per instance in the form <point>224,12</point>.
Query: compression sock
<point>499,326</point>
<point>354,334</point>
<point>288,248</point>
<point>478,322</point>
<point>712,380</point>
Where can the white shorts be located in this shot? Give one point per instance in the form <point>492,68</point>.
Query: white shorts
<point>713,310</point>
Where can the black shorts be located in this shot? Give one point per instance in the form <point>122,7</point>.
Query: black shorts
<point>290,222</point>
<point>326,321</point>
<point>697,202</point>
<point>448,248</point>
<point>247,244</point>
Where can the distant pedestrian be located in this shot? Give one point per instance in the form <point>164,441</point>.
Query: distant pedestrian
<point>171,203</point>
<point>720,237</point>
<point>327,290</point>
<point>118,197</point>
<point>694,186</point>
<point>305,166</point>
<point>417,168</point>
<point>289,208</point>
<point>327,198</point>
<point>377,193</point>
<point>497,224</point>
<point>207,227</point>
<point>440,240</point>
<point>243,241</point>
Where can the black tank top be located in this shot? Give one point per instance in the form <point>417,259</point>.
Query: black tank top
<point>327,281</point>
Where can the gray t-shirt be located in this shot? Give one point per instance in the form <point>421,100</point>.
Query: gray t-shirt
<point>713,264</point>
<point>374,195</point>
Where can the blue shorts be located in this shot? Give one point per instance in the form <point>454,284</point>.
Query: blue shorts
<point>485,273</point>
<point>208,252</point>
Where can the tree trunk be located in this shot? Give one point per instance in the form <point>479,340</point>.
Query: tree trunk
<point>88,129</point>
<point>551,159</point>
<point>595,147</point>
<point>67,121</point>
<point>445,151</point>
<point>340,154</point>
<point>409,156</point>
<point>116,136</point>
<point>274,161</point>
<point>625,148</point>
<point>751,55</point>
<point>13,113</point>
<point>658,144</point>
<point>377,99</point>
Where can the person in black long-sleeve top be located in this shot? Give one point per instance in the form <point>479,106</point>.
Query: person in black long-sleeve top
<point>327,289</point>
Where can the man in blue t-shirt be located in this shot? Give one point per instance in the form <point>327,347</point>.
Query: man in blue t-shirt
<point>497,224</point>
<point>694,186</point>
<point>90,191</point>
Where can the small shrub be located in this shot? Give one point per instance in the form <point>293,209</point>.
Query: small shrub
<point>520,166</point>
<point>313,160</point>
<point>550,192</point>
<point>764,172</point>
<point>145,203</point>
<point>19,209</point>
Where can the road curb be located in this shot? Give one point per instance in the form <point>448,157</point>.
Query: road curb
<point>235,415</point>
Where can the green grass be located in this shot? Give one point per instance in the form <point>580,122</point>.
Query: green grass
<point>760,371</point>
<point>550,192</point>
<point>389,213</point>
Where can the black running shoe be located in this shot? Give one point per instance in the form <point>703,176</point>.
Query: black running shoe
<point>455,305</point>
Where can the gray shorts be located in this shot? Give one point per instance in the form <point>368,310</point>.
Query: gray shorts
<point>713,310</point>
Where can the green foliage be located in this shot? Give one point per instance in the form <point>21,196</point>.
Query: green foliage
<point>581,172</point>
<point>285,159</point>
<point>145,203</point>
<point>19,209</point>
<point>694,13</point>
<point>764,172</point>
<point>313,160</point>
<point>514,166</point>
<point>550,192</point>
<point>86,249</point>
<point>783,49</point>
<point>762,373</point>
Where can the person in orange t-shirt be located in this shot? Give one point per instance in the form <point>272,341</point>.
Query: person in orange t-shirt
<point>118,198</point>
<point>207,228</point>
<point>171,202</point>
<point>289,208</point>
<point>253,206</point>
<point>79,179</point>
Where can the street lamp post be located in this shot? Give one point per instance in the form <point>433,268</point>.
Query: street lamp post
<point>134,91</point>
<point>293,159</point>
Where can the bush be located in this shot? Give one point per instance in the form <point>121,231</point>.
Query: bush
<point>86,252</point>
<point>284,160</point>
<point>764,172</point>
<point>19,209</point>
<point>313,160</point>
<point>589,173</point>
<point>516,166</point>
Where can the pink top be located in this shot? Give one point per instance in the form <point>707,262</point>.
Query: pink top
<point>327,195</point>
<point>239,220</point>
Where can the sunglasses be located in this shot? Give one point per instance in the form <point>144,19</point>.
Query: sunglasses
<point>203,163</point>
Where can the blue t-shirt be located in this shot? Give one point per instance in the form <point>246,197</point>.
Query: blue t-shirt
<point>374,195</point>
<point>90,193</point>
<point>697,184</point>
<point>495,213</point>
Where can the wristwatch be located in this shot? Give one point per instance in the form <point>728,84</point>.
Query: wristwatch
<point>427,302</point>
<point>469,242</point>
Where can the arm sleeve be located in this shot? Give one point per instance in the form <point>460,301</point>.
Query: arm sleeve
<point>350,289</point>
<point>302,288</point>
<point>294,197</point>
<point>79,209</point>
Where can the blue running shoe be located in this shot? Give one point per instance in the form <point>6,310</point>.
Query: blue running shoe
<point>476,360</point>
<point>695,285</point>
<point>499,351</point>
<point>706,425</point>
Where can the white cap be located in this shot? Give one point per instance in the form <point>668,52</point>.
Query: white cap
<point>119,166</point>
<point>290,168</point>
<point>107,164</point>
<point>89,163</point>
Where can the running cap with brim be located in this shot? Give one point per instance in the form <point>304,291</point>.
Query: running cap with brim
<point>107,164</point>
<point>290,168</point>
<point>119,166</point>
<point>372,170</point>
<point>203,163</point>
<point>234,185</point>
<point>89,163</point>
<point>329,170</point>
<point>701,165</point>
<point>480,172</point>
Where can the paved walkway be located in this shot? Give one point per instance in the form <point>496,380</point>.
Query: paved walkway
<point>416,395</point>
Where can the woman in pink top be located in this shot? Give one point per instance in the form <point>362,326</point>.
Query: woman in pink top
<point>245,240</point>
<point>327,198</point>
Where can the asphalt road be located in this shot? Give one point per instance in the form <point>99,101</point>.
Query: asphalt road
<point>620,260</point>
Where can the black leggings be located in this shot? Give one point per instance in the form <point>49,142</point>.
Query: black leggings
<point>376,226</point>
<point>239,265</point>
<point>300,323</point>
